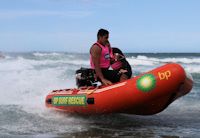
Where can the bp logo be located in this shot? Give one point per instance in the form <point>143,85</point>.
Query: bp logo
<point>146,83</point>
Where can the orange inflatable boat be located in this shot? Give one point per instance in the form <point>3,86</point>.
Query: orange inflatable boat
<point>146,94</point>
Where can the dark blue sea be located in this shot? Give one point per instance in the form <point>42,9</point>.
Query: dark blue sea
<point>26,78</point>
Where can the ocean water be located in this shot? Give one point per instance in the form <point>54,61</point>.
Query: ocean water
<point>26,78</point>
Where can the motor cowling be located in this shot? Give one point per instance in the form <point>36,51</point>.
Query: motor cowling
<point>85,77</point>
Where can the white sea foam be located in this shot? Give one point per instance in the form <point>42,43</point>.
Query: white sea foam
<point>7,57</point>
<point>21,78</point>
<point>26,87</point>
<point>139,61</point>
<point>144,60</point>
<point>21,63</point>
<point>193,69</point>
<point>15,64</point>
<point>41,54</point>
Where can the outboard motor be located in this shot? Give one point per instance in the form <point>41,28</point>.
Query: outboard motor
<point>85,77</point>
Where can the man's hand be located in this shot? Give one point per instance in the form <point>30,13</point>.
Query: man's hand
<point>106,82</point>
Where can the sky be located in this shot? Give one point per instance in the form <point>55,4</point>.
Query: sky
<point>71,25</point>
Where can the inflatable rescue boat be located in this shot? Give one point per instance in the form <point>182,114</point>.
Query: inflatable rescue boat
<point>146,94</point>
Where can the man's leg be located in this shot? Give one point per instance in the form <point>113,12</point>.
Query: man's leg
<point>111,75</point>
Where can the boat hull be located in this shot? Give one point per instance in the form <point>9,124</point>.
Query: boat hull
<point>146,94</point>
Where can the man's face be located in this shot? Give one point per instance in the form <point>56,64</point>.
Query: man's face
<point>104,39</point>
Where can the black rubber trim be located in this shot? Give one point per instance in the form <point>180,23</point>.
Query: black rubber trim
<point>90,100</point>
<point>49,101</point>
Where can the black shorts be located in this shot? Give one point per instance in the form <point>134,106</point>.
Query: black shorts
<point>111,75</point>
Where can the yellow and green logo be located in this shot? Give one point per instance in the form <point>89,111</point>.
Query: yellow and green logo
<point>146,83</point>
<point>79,100</point>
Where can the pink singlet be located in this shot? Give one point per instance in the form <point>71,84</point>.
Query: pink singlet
<point>105,57</point>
